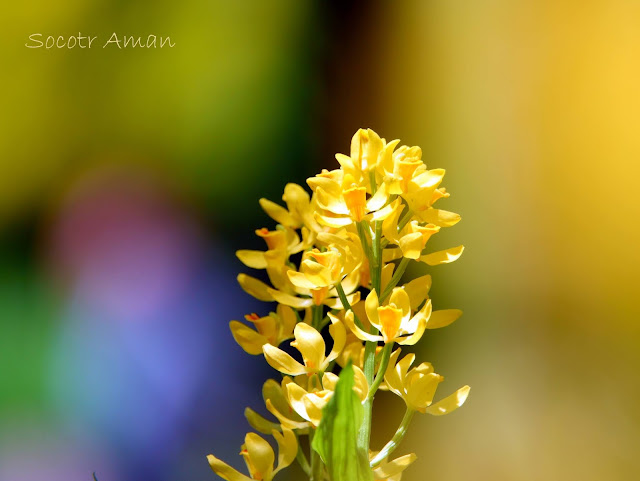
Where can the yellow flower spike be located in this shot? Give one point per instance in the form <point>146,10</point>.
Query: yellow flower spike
<point>443,257</point>
<point>379,186</point>
<point>392,471</point>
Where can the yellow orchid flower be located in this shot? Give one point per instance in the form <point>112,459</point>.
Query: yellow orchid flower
<point>259,457</point>
<point>400,168</point>
<point>341,255</point>
<point>277,266</point>
<point>299,211</point>
<point>347,203</point>
<point>418,386</point>
<point>376,208</point>
<point>392,470</point>
<point>320,296</point>
<point>411,239</point>
<point>308,403</point>
<point>366,149</point>
<point>312,347</point>
<point>393,320</point>
<point>272,329</point>
<point>283,240</point>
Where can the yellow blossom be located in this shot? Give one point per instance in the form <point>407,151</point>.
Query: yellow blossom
<point>312,347</point>
<point>308,403</point>
<point>272,329</point>
<point>399,169</point>
<point>283,240</point>
<point>418,386</point>
<point>259,457</point>
<point>392,470</point>
<point>367,149</point>
<point>393,320</point>
<point>347,202</point>
<point>325,268</point>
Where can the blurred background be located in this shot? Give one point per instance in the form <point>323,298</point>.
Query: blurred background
<point>129,178</point>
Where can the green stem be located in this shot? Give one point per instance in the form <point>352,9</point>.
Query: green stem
<point>346,305</point>
<point>375,270</point>
<point>316,320</point>
<point>324,322</point>
<point>317,469</point>
<point>369,368</point>
<point>384,362</point>
<point>405,219</point>
<point>376,267</point>
<point>362,227</point>
<point>302,460</point>
<point>397,438</point>
<point>394,279</point>
<point>372,181</point>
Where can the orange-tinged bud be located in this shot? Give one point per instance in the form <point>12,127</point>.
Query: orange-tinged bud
<point>275,239</point>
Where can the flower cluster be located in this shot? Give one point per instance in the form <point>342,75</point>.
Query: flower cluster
<point>335,263</point>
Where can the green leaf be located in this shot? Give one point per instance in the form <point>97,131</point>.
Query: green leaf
<point>336,439</point>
